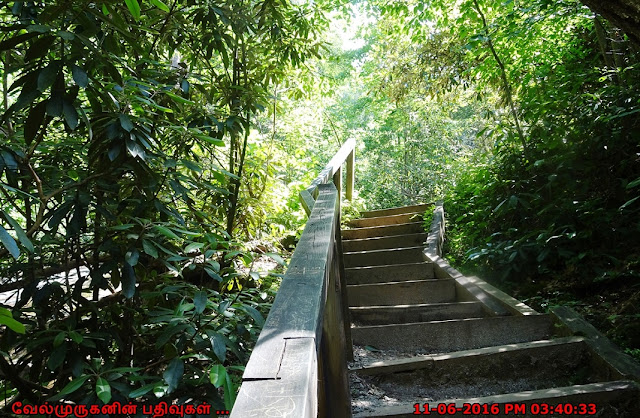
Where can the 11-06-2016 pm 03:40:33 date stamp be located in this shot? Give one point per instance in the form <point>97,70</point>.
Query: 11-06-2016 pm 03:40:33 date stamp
<point>502,409</point>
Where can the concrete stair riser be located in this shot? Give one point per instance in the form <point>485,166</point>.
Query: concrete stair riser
<point>391,273</point>
<point>401,293</point>
<point>398,210</point>
<point>454,335</point>
<point>384,257</point>
<point>379,243</point>
<point>387,220</point>
<point>384,315</point>
<point>382,231</point>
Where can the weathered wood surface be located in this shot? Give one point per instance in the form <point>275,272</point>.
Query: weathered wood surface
<point>436,233</point>
<point>327,174</point>
<point>351,170</point>
<point>302,343</point>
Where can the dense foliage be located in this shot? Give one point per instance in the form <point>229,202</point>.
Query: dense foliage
<point>130,174</point>
<point>547,199</point>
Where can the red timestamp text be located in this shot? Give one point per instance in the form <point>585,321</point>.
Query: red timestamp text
<point>515,409</point>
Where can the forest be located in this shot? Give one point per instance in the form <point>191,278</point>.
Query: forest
<point>152,153</point>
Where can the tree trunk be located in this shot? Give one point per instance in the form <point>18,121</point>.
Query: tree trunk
<point>625,14</point>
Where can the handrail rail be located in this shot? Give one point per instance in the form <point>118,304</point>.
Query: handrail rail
<point>333,170</point>
<point>298,366</point>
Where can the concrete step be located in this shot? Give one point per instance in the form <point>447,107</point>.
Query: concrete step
<point>397,314</point>
<point>398,210</point>
<point>453,335</point>
<point>619,398</point>
<point>485,371</point>
<point>382,231</point>
<point>384,257</point>
<point>387,220</point>
<point>402,293</point>
<point>380,243</point>
<point>390,273</point>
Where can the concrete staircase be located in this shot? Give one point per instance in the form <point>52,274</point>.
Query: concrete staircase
<point>428,340</point>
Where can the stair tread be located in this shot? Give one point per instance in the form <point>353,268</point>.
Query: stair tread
<point>399,209</point>
<point>406,363</point>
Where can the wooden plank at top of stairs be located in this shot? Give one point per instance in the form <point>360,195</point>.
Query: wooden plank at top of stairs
<point>382,231</point>
<point>398,210</point>
<point>454,335</point>
<point>402,218</point>
<point>390,273</point>
<point>381,243</point>
<point>624,393</point>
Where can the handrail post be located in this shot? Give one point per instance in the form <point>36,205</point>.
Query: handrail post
<point>337,180</point>
<point>351,165</point>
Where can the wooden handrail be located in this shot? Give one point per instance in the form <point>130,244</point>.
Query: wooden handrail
<point>346,153</point>
<point>298,366</point>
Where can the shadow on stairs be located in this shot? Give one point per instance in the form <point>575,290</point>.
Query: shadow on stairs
<point>430,341</point>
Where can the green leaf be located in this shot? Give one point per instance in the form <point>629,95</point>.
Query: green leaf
<point>253,313</point>
<point>59,339</point>
<point>218,375</point>
<point>200,301</point>
<point>213,141</point>
<point>178,99</point>
<point>193,246</point>
<point>134,8</point>
<point>71,387</point>
<point>218,345</point>
<point>6,318</point>
<point>70,115</point>
<point>79,76</point>
<point>47,76</point>
<point>627,203</point>
<point>103,390</point>
<point>128,281</point>
<point>9,243</point>
<point>132,257</point>
<point>166,232</point>
<point>173,374</point>
<point>142,391</point>
<point>160,5</point>
<point>148,248</point>
<point>76,337</point>
<point>125,122</point>
<point>68,36</point>
<point>34,121</point>
<point>276,258</point>
<point>22,236</point>
<point>634,183</point>
<point>229,392</point>
<point>57,357</point>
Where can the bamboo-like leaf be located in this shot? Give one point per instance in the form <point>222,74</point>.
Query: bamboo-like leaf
<point>9,243</point>
<point>134,8</point>
<point>160,5</point>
